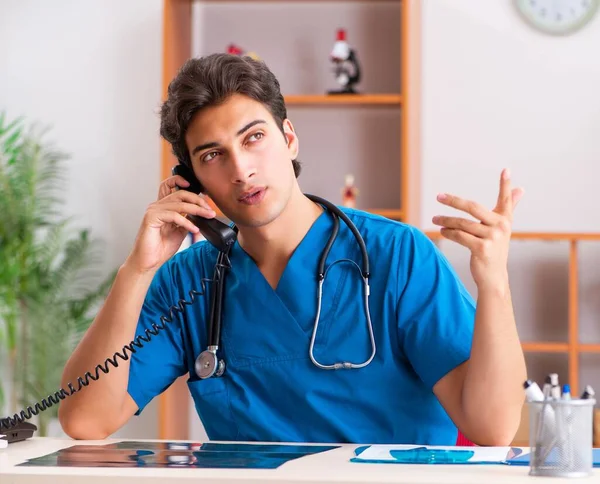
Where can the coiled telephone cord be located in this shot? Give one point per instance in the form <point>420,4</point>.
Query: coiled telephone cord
<point>132,347</point>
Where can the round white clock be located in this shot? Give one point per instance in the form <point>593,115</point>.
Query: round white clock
<point>558,17</point>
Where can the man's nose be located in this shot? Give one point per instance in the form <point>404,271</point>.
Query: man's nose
<point>242,168</point>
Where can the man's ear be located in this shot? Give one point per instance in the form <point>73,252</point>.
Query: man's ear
<point>291,139</point>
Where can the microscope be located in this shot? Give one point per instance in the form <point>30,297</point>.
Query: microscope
<point>346,67</point>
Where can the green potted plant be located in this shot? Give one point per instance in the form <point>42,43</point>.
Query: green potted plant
<point>52,276</point>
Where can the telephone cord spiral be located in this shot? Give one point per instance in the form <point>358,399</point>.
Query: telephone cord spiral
<point>132,347</point>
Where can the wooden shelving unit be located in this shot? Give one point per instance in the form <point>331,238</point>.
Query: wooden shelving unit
<point>177,48</point>
<point>177,45</point>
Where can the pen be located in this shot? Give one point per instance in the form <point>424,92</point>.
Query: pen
<point>546,417</point>
<point>588,393</point>
<point>547,387</point>
<point>567,444</point>
<point>532,391</point>
<point>555,388</point>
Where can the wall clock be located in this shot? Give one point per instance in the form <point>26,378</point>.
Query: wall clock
<point>557,17</point>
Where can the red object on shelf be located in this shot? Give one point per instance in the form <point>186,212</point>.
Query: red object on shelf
<point>234,49</point>
<point>341,49</point>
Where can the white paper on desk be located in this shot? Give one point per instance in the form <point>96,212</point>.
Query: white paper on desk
<point>481,454</point>
<point>3,443</point>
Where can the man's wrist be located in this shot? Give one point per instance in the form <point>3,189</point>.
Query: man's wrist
<point>131,270</point>
<point>498,288</point>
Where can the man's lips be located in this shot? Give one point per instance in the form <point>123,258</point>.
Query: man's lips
<point>250,193</point>
<point>253,197</point>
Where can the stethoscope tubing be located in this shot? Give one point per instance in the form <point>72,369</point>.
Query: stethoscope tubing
<point>208,364</point>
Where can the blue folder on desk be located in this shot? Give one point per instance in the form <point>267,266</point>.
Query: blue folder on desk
<point>431,454</point>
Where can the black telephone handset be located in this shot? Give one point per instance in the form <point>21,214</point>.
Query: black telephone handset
<point>219,234</point>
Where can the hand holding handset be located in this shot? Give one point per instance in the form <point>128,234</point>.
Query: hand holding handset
<point>219,234</point>
<point>178,210</point>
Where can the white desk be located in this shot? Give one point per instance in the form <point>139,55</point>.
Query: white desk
<point>329,467</point>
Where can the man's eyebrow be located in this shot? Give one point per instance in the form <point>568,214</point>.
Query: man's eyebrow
<point>249,125</point>
<point>214,144</point>
<point>205,146</point>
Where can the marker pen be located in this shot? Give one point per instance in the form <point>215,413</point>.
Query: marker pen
<point>588,393</point>
<point>532,391</point>
<point>566,392</point>
<point>547,387</point>
<point>546,417</point>
<point>555,387</point>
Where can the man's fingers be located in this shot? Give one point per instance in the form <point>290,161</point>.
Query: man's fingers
<point>517,194</point>
<point>467,240</point>
<point>188,208</point>
<point>167,186</point>
<point>504,205</point>
<point>473,208</point>
<point>176,181</point>
<point>189,197</point>
<point>468,226</point>
<point>166,216</point>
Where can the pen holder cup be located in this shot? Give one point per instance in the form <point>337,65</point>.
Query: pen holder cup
<point>561,438</point>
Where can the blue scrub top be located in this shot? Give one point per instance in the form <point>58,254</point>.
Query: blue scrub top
<point>422,316</point>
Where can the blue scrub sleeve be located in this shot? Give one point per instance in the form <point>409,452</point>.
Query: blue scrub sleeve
<point>436,314</point>
<point>161,361</point>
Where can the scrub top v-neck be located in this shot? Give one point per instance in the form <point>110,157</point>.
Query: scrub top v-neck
<point>422,319</point>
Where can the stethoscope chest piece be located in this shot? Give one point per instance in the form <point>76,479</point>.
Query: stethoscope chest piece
<point>208,365</point>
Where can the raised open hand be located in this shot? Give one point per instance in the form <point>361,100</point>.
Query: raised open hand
<point>488,240</point>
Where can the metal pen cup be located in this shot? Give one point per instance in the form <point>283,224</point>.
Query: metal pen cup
<point>561,437</point>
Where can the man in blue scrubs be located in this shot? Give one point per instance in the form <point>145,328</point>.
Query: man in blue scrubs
<point>442,361</point>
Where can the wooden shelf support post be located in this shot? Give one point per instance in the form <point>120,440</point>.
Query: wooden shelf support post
<point>573,318</point>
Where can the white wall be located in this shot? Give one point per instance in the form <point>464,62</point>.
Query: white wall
<point>498,93</point>
<point>92,70</point>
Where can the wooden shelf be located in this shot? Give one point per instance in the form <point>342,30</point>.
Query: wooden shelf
<point>392,213</point>
<point>544,347</point>
<point>548,347</point>
<point>552,236</point>
<point>556,236</point>
<point>337,99</point>
<point>589,348</point>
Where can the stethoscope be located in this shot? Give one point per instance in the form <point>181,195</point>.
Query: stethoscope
<point>208,363</point>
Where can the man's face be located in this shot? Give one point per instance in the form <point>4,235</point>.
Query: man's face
<point>243,160</point>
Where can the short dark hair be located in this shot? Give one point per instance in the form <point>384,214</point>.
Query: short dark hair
<point>209,81</point>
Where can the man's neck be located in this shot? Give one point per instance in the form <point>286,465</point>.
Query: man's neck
<point>275,243</point>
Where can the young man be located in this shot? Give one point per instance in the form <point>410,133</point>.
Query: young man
<point>441,362</point>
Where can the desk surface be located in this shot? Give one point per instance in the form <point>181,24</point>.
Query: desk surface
<point>328,467</point>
